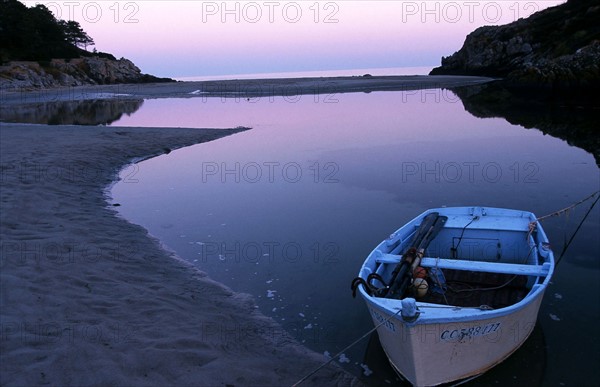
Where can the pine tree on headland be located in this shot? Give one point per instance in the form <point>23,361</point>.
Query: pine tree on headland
<point>75,35</point>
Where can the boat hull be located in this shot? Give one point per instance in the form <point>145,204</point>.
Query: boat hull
<point>431,342</point>
<point>437,353</point>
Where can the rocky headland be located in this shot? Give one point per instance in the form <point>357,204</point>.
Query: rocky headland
<point>557,49</point>
<point>39,51</point>
<point>93,70</point>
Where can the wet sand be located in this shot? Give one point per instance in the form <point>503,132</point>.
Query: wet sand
<point>90,299</point>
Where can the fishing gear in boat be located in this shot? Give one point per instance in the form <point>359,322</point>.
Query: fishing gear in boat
<point>432,232</point>
<point>403,272</point>
<point>368,285</point>
<point>401,269</point>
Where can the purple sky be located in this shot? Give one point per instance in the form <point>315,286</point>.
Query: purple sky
<point>191,38</point>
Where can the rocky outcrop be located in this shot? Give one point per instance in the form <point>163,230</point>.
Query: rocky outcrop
<point>557,48</point>
<point>580,70</point>
<point>73,72</point>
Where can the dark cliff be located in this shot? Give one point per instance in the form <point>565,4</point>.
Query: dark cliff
<point>554,49</point>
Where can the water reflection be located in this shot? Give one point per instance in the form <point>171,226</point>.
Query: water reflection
<point>85,112</point>
<point>357,170</point>
<point>575,121</point>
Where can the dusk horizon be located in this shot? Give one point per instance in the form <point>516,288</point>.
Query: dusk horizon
<point>204,38</point>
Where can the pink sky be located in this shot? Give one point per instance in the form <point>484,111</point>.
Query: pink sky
<point>190,38</point>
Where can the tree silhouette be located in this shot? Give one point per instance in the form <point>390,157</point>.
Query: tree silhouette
<point>75,34</point>
<point>35,34</point>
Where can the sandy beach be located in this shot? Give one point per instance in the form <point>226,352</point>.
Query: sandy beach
<point>90,299</point>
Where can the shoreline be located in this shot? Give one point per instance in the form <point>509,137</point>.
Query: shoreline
<point>242,88</point>
<point>91,299</point>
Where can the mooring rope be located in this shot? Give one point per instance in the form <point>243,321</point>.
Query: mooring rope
<point>556,213</point>
<point>576,230</point>
<point>345,349</point>
<point>532,225</point>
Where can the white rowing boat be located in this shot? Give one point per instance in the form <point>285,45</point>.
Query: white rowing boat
<point>456,290</point>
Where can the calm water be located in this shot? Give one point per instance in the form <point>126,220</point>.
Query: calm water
<point>289,210</point>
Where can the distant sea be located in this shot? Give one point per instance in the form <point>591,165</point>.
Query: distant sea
<point>309,74</point>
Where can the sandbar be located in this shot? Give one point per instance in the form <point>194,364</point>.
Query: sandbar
<point>88,298</point>
<point>252,88</point>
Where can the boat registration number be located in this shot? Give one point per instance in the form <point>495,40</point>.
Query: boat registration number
<point>479,330</point>
<point>383,320</point>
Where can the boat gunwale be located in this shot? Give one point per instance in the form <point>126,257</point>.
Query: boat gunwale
<point>437,313</point>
